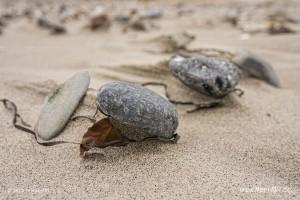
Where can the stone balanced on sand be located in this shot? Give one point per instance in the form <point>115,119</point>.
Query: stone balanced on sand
<point>214,77</point>
<point>257,67</point>
<point>137,111</point>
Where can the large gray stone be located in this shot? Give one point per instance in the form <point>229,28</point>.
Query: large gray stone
<point>213,77</point>
<point>60,105</point>
<point>140,111</point>
<point>257,67</point>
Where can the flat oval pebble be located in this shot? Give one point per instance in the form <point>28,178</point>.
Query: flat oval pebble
<point>60,105</point>
<point>138,107</point>
<point>256,67</point>
<point>214,77</point>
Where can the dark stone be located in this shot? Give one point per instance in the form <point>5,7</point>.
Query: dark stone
<point>214,77</point>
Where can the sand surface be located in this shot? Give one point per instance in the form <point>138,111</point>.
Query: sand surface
<point>247,149</point>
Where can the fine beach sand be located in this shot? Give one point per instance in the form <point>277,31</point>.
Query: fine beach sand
<point>247,149</point>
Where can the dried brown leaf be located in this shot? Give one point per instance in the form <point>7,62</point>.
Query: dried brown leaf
<point>102,134</point>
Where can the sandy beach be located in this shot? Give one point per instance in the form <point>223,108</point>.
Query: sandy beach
<point>247,149</point>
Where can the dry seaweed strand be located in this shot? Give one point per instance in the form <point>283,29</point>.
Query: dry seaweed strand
<point>11,106</point>
<point>102,134</point>
<point>239,92</point>
<point>92,118</point>
<point>197,106</point>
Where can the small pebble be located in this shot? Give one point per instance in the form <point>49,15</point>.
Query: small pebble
<point>152,13</point>
<point>125,18</point>
<point>122,18</point>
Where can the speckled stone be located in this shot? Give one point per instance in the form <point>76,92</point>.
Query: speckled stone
<point>257,67</point>
<point>60,105</point>
<point>214,77</point>
<point>134,106</point>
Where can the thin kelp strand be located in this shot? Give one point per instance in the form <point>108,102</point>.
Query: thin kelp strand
<point>11,106</point>
<point>198,106</point>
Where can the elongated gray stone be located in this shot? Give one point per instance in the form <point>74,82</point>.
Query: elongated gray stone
<point>257,67</point>
<point>213,77</point>
<point>60,105</point>
<point>137,108</point>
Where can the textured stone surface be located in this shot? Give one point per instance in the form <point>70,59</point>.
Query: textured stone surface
<point>138,107</point>
<point>60,105</point>
<point>256,67</point>
<point>213,77</point>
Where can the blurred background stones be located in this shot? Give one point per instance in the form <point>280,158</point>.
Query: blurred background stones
<point>252,17</point>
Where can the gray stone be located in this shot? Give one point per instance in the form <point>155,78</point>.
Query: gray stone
<point>256,67</point>
<point>60,105</point>
<point>214,77</point>
<point>141,111</point>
